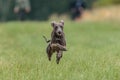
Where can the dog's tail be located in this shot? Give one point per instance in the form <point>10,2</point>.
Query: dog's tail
<point>47,41</point>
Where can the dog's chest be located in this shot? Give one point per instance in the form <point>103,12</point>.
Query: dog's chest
<point>58,40</point>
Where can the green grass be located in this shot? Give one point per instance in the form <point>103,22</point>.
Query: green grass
<point>93,51</point>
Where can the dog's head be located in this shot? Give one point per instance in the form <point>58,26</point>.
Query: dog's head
<point>58,27</point>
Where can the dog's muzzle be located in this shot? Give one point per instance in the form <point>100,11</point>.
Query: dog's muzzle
<point>59,32</point>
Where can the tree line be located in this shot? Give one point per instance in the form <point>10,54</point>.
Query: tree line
<point>42,9</point>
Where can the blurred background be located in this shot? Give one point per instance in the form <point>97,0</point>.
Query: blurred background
<point>45,10</point>
<point>92,32</point>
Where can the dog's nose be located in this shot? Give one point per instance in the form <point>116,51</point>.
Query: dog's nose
<point>59,32</point>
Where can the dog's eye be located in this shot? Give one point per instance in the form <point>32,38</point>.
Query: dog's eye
<point>56,27</point>
<point>61,27</point>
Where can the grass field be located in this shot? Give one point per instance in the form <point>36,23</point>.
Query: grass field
<point>93,51</point>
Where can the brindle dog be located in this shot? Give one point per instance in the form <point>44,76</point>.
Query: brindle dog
<point>57,42</point>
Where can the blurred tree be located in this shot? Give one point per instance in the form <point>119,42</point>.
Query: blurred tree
<point>117,1</point>
<point>42,9</point>
<point>106,2</point>
<point>4,7</point>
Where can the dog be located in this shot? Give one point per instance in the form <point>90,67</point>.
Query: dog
<point>57,42</point>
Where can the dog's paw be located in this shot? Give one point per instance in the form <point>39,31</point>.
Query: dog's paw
<point>63,49</point>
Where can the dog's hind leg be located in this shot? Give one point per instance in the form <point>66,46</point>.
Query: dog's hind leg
<point>49,52</point>
<point>49,56</point>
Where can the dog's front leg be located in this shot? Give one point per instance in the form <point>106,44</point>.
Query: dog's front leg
<point>58,46</point>
<point>61,47</point>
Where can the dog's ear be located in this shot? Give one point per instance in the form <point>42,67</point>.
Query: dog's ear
<point>53,23</point>
<point>62,22</point>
